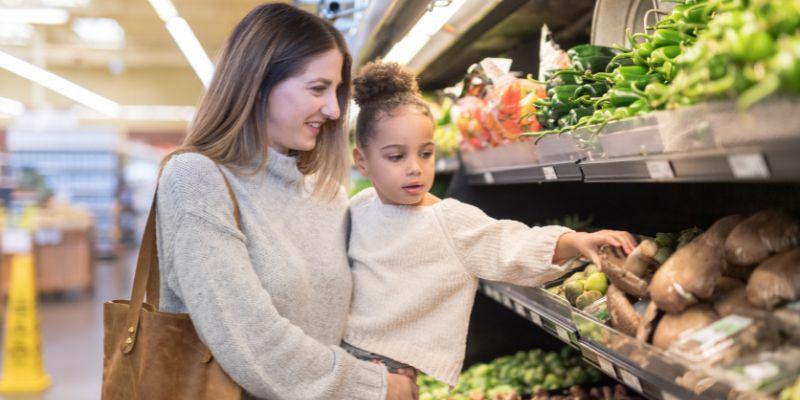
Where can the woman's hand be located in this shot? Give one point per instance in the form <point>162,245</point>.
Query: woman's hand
<point>401,387</point>
<point>589,244</point>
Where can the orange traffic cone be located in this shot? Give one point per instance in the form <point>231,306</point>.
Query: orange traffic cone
<point>23,370</point>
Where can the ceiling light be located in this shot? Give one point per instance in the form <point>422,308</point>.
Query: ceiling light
<point>99,32</point>
<point>11,107</point>
<point>185,39</point>
<point>39,16</point>
<point>421,33</point>
<point>191,49</point>
<point>66,3</point>
<point>164,9</point>
<point>15,34</point>
<point>157,113</point>
<point>58,84</point>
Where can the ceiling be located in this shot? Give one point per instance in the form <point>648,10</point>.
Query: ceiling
<point>148,69</point>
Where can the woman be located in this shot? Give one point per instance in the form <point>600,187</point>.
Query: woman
<point>270,299</point>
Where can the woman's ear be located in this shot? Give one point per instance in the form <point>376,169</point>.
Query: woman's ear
<point>360,161</point>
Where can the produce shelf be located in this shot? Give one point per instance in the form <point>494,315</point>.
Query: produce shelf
<point>562,172</point>
<point>640,366</point>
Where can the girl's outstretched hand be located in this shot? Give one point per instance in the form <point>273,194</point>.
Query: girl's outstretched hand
<point>589,244</point>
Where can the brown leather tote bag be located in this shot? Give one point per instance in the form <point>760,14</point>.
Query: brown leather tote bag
<point>150,354</point>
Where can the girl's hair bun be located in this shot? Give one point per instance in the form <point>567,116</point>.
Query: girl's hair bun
<point>380,80</point>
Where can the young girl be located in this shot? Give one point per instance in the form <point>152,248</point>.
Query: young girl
<point>416,260</point>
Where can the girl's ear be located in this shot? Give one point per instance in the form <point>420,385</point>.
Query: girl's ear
<point>360,161</point>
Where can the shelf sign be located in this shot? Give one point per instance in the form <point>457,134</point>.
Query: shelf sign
<point>748,166</point>
<point>520,309</point>
<point>536,318</point>
<point>563,334</point>
<point>440,164</point>
<point>507,302</point>
<point>488,178</point>
<point>660,169</point>
<point>549,173</point>
<point>630,380</point>
<point>606,366</point>
<point>668,396</point>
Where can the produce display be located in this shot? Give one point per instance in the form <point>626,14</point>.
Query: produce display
<point>514,377</point>
<point>582,288</point>
<point>738,266</point>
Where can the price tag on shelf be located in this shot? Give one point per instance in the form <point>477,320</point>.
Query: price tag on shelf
<point>488,178</point>
<point>748,166</point>
<point>563,334</point>
<point>668,396</point>
<point>630,380</point>
<point>549,173</point>
<point>660,169</point>
<point>507,302</point>
<point>441,164</point>
<point>606,366</point>
<point>520,309</point>
<point>536,318</point>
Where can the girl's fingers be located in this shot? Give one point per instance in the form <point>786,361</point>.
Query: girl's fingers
<point>627,244</point>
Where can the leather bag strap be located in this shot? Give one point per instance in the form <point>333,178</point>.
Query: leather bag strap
<point>146,279</point>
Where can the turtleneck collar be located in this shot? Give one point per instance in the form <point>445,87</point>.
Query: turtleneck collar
<point>283,166</point>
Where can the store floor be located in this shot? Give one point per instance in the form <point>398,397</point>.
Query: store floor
<point>72,334</point>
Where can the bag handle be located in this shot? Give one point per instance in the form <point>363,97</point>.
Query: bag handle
<point>146,279</point>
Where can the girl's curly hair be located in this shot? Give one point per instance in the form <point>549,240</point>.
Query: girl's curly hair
<point>380,88</point>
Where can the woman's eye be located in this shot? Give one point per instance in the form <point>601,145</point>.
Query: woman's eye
<point>318,89</point>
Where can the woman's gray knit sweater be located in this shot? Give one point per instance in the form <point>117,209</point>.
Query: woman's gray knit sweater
<point>270,300</point>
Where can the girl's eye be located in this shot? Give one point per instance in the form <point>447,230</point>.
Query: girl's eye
<point>427,154</point>
<point>395,157</point>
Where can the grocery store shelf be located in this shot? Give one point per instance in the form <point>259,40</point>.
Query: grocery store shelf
<point>568,171</point>
<point>638,365</point>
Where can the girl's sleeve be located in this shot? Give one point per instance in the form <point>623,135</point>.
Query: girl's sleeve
<point>233,313</point>
<point>500,250</point>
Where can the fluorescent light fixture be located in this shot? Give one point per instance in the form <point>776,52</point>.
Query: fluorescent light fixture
<point>38,16</point>
<point>11,107</point>
<point>164,9</point>
<point>58,84</point>
<point>157,113</point>
<point>421,33</point>
<point>191,49</point>
<point>185,39</point>
<point>99,32</point>
<point>66,3</point>
<point>15,33</point>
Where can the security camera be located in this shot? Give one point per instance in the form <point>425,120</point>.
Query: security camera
<point>334,7</point>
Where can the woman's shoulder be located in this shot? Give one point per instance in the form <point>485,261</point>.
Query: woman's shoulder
<point>192,178</point>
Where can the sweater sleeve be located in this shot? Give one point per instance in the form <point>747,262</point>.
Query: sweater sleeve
<point>500,250</point>
<point>234,315</point>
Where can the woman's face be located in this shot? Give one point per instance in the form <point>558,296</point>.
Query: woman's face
<point>298,106</point>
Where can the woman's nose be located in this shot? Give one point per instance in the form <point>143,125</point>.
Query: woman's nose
<point>331,107</point>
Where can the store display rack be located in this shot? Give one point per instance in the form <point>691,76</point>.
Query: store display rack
<point>707,143</point>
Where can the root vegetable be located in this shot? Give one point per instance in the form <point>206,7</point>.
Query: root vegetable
<point>693,271</point>
<point>624,280</point>
<point>621,312</point>
<point>775,280</point>
<point>734,301</point>
<point>641,258</point>
<point>645,327</point>
<point>672,325</point>
<point>761,235</point>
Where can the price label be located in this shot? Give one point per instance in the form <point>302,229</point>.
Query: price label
<point>441,164</point>
<point>536,318</point>
<point>507,302</point>
<point>488,178</point>
<point>549,173</point>
<point>667,396</point>
<point>630,380</point>
<point>749,166</point>
<point>563,334</point>
<point>606,366</point>
<point>519,309</point>
<point>660,169</point>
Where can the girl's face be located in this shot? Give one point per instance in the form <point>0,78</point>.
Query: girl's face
<point>399,158</point>
<point>298,106</point>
